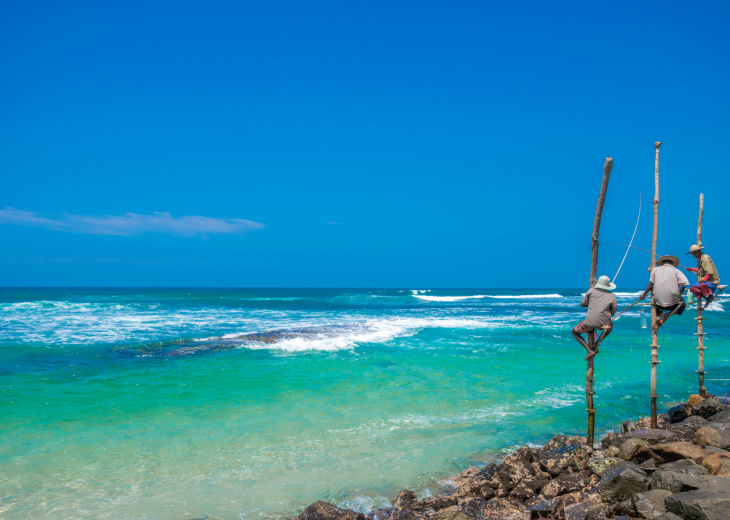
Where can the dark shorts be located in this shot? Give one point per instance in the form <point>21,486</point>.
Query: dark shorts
<point>682,305</point>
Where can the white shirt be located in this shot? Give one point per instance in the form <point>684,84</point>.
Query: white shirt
<point>667,279</point>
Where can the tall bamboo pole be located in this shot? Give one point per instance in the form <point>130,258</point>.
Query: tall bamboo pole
<point>700,329</point>
<point>590,336</point>
<point>654,345</point>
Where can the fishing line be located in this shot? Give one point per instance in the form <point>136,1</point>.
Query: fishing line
<point>631,242</point>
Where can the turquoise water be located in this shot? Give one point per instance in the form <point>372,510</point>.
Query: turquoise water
<point>177,403</point>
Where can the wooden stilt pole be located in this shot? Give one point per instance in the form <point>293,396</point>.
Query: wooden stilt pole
<point>700,330</point>
<point>590,336</point>
<point>654,345</point>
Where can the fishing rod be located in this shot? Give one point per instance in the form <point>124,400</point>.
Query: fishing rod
<point>640,249</point>
<point>630,242</point>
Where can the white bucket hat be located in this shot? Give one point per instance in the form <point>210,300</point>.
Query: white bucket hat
<point>604,282</point>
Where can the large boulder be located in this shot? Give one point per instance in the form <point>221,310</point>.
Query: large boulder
<point>568,483</point>
<point>707,436</point>
<point>556,460</point>
<point>684,466</point>
<point>680,482</point>
<point>672,451</point>
<point>630,447</point>
<point>685,430</point>
<point>700,505</point>
<point>324,511</point>
<point>622,482</point>
<point>651,436</point>
<point>679,413</point>
<point>708,408</point>
<point>651,503</point>
<point>563,440</point>
<point>552,509</point>
<point>579,510</point>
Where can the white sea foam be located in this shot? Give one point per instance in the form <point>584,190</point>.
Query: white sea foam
<point>627,294</point>
<point>715,306</point>
<point>481,296</point>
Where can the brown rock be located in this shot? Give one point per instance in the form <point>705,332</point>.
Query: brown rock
<point>652,436</point>
<point>711,437</point>
<point>502,508</point>
<point>597,512</point>
<point>713,462</point>
<point>651,503</point>
<point>723,470</point>
<point>406,515</point>
<point>435,503</point>
<point>630,447</point>
<point>465,476</point>
<point>695,399</point>
<point>451,513</point>
<point>563,440</point>
<point>405,500</point>
<point>672,451</point>
<point>556,460</point>
<point>324,511</point>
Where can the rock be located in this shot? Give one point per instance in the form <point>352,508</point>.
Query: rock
<point>723,416</point>
<point>556,460</point>
<point>680,482</point>
<point>652,436</point>
<point>651,503</point>
<point>648,465</point>
<point>611,439</point>
<point>700,505</point>
<point>597,512</point>
<point>535,484</point>
<point>668,516</point>
<point>476,508</point>
<point>711,437</point>
<point>567,483</point>
<point>502,508</point>
<point>671,451</point>
<point>611,452</point>
<point>552,509</point>
<point>708,408</point>
<point>435,503</point>
<point>621,508</point>
<point>723,470</point>
<point>645,422</point>
<point>405,500</point>
<point>383,513</point>
<point>694,400</point>
<point>685,430</point>
<point>628,426</point>
<point>579,510</point>
<point>448,514</point>
<point>621,482</point>
<point>686,466</point>
<point>478,485</point>
<point>598,466</point>
<point>522,492</point>
<point>518,466</point>
<point>465,476</point>
<point>406,515</point>
<point>679,413</point>
<point>563,440</point>
<point>712,462</point>
<point>630,447</point>
<point>324,511</point>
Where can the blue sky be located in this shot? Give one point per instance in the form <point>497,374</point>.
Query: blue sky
<point>320,144</point>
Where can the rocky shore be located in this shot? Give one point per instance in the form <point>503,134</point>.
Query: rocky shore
<point>681,470</point>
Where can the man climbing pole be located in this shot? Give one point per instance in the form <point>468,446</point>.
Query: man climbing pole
<point>601,305</point>
<point>667,284</point>
<point>707,277</point>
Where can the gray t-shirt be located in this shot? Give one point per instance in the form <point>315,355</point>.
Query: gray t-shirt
<point>667,279</point>
<point>601,306</point>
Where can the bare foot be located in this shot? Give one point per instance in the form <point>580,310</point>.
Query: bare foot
<point>591,353</point>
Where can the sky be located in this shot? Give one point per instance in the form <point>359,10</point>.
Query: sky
<point>356,144</point>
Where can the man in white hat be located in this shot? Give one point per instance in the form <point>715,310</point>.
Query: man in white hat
<point>707,277</point>
<point>667,284</point>
<point>601,305</point>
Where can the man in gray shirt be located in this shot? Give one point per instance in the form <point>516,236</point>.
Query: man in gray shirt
<point>601,306</point>
<point>667,284</point>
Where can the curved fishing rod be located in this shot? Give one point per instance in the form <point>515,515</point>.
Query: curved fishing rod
<point>630,242</point>
<point>639,248</point>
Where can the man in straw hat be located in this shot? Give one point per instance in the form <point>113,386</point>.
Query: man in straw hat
<point>707,277</point>
<point>667,284</point>
<point>601,305</point>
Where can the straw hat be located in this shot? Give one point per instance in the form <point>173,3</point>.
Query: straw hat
<point>604,282</point>
<point>671,258</point>
<point>693,248</point>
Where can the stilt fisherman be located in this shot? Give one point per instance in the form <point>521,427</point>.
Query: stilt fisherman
<point>707,277</point>
<point>601,305</point>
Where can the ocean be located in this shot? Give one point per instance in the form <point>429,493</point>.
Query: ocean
<point>254,403</point>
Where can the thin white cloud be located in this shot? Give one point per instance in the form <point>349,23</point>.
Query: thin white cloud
<point>129,223</point>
